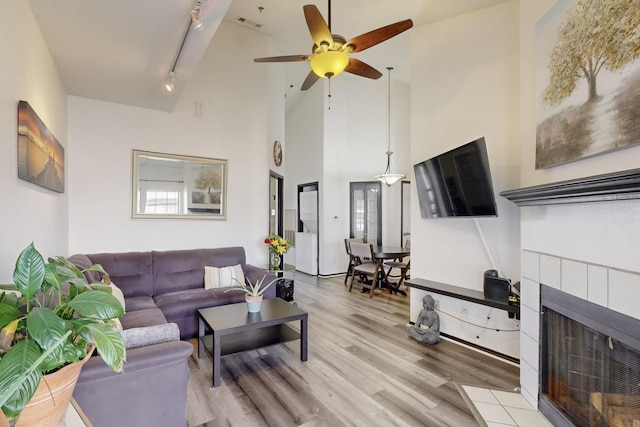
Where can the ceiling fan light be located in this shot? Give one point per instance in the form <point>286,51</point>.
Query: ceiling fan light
<point>329,64</point>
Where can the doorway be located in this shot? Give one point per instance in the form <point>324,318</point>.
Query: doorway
<point>307,242</point>
<point>366,211</point>
<point>405,213</point>
<point>276,203</point>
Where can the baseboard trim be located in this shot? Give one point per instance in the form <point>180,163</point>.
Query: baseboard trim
<point>480,349</point>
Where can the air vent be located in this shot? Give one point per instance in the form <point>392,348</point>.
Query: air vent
<point>247,22</point>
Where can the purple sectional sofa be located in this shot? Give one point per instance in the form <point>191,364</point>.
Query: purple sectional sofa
<point>161,289</point>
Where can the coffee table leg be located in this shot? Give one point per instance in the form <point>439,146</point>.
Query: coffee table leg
<point>216,359</point>
<point>303,339</point>
<point>200,338</point>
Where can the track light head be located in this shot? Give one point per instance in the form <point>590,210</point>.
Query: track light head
<point>171,83</point>
<point>195,17</point>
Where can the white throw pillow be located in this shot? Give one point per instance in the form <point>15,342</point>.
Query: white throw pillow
<point>117,292</point>
<point>222,277</point>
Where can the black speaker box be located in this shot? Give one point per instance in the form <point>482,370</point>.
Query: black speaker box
<point>496,288</point>
<point>284,289</point>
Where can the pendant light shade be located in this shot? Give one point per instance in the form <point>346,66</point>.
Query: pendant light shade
<point>390,178</point>
<point>387,177</point>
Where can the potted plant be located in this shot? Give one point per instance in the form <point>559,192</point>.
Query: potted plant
<point>253,292</point>
<point>278,246</point>
<point>59,315</point>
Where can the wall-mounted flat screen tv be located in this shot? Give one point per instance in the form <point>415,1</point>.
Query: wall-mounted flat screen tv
<point>456,183</point>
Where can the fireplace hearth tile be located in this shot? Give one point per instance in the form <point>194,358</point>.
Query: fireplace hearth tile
<point>528,418</point>
<point>494,413</point>
<point>500,408</point>
<point>477,394</point>
<point>511,399</point>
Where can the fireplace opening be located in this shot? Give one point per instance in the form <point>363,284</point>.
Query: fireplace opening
<point>589,363</point>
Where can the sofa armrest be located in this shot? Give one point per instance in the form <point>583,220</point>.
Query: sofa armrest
<point>254,274</point>
<point>109,398</point>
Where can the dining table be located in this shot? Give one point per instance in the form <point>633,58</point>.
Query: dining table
<point>384,253</point>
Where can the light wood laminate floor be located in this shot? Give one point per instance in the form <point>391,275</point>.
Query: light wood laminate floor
<point>363,370</point>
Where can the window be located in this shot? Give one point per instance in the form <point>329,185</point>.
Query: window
<point>161,202</point>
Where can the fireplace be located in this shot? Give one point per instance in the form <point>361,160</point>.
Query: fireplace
<point>589,363</point>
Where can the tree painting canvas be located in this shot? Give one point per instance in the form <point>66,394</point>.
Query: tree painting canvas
<point>40,155</point>
<point>588,79</point>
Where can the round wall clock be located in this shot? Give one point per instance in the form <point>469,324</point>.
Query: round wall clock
<point>277,153</point>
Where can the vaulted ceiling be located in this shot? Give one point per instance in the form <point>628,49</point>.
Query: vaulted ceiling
<point>122,50</point>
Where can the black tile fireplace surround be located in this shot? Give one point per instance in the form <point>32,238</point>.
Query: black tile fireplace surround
<point>589,362</point>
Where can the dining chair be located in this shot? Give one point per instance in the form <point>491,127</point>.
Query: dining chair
<point>404,267</point>
<point>352,260</point>
<point>368,266</point>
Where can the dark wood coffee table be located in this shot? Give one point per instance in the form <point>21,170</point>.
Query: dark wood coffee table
<point>230,329</point>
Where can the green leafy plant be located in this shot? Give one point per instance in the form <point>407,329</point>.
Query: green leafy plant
<point>58,315</point>
<point>253,290</point>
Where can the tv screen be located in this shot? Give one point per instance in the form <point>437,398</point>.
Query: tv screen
<point>456,183</point>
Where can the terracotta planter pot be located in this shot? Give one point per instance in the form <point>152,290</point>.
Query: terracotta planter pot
<point>48,406</point>
<point>253,303</point>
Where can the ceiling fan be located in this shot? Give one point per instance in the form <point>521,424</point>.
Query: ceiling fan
<point>331,51</point>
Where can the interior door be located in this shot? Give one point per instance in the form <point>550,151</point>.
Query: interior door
<point>366,211</point>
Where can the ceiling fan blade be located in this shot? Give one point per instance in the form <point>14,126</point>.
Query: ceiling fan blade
<point>318,28</point>
<point>287,58</point>
<point>310,80</point>
<point>372,38</point>
<point>361,69</point>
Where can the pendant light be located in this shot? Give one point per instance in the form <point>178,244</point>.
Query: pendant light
<point>387,177</point>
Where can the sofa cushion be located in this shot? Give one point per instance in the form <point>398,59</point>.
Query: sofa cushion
<point>176,305</point>
<point>223,277</point>
<point>181,307</point>
<point>139,303</point>
<point>132,271</point>
<point>149,335</point>
<point>184,269</point>
<point>140,318</point>
<point>83,262</point>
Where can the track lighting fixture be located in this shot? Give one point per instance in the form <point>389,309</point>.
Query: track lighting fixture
<point>194,22</point>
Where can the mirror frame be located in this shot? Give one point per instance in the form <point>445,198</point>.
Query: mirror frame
<point>188,186</point>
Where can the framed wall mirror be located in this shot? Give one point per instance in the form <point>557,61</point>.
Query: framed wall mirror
<point>172,186</point>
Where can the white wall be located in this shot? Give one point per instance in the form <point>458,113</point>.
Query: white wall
<point>603,235</point>
<point>343,144</point>
<point>464,86</point>
<point>27,72</point>
<point>304,135</point>
<point>234,93</point>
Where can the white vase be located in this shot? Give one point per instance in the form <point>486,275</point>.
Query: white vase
<point>253,303</point>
